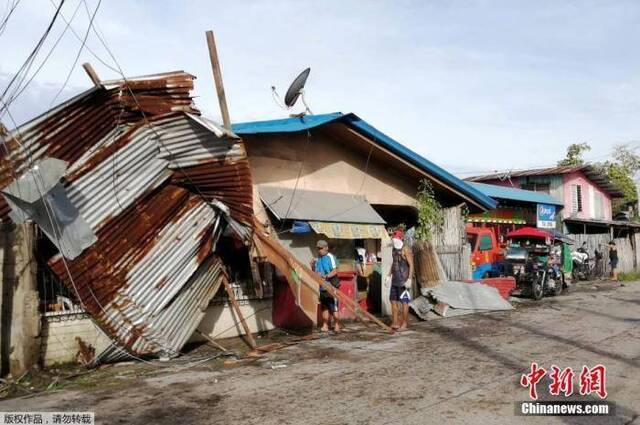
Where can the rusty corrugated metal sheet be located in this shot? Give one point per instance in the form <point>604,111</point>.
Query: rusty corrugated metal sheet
<point>149,188</point>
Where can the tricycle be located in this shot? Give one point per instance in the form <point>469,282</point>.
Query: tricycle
<point>535,262</point>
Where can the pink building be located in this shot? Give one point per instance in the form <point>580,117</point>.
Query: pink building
<point>585,192</point>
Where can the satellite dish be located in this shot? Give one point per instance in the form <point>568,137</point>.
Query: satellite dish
<point>296,90</point>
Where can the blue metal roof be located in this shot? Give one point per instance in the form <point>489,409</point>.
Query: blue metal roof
<point>291,125</point>
<point>511,193</point>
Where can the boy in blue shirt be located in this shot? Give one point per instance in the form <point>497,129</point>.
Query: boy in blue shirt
<point>325,265</point>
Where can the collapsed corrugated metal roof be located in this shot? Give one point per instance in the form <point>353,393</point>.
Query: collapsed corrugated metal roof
<point>134,188</point>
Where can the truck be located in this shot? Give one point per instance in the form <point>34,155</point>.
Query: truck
<point>487,257</point>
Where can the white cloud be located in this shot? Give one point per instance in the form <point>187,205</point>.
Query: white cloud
<point>469,84</point>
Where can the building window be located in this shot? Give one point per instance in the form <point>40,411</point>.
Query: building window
<point>485,243</point>
<point>576,198</point>
<point>599,206</point>
<point>536,187</point>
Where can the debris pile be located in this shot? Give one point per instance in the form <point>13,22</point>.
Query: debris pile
<point>452,298</point>
<point>134,188</point>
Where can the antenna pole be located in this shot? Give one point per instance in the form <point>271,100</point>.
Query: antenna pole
<point>217,76</point>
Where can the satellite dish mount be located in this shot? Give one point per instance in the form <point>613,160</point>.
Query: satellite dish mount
<point>296,90</point>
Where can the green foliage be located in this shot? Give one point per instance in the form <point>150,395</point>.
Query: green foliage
<point>629,276</point>
<point>621,170</point>
<point>430,216</point>
<point>574,155</point>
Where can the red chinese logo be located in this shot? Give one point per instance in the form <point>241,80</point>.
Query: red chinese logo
<point>592,380</point>
<point>532,378</point>
<point>561,382</point>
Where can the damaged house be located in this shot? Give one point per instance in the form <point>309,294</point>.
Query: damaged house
<point>133,190</point>
<point>336,177</point>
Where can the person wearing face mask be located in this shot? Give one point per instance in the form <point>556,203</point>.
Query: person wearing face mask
<point>400,277</point>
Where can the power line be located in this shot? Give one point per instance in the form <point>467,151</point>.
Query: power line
<point>44,61</point>
<point>12,8</point>
<point>29,61</point>
<point>75,61</point>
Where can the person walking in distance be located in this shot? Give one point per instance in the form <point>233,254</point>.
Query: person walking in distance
<point>400,277</point>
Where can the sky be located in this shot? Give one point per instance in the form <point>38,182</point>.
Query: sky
<point>474,86</point>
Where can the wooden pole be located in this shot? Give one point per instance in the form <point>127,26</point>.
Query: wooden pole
<point>211,340</point>
<point>92,74</point>
<point>217,76</point>
<point>236,307</point>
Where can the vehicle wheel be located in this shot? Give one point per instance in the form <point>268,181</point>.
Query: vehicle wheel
<point>559,286</point>
<point>537,288</point>
<point>574,276</point>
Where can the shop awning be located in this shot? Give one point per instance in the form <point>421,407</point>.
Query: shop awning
<point>317,206</point>
<point>495,220</point>
<point>349,230</point>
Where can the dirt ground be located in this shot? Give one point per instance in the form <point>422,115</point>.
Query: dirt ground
<point>461,370</point>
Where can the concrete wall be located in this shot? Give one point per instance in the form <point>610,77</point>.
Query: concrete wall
<point>59,333</point>
<point>325,164</point>
<point>221,322</point>
<point>20,320</point>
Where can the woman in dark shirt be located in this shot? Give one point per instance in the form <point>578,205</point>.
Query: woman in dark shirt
<point>613,260</point>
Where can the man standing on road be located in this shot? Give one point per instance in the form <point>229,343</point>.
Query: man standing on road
<point>613,260</point>
<point>400,276</point>
<point>325,265</point>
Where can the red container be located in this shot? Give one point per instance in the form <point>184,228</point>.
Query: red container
<point>504,285</point>
<point>286,313</point>
<point>347,287</point>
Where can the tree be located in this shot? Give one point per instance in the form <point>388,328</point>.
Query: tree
<point>621,171</point>
<point>430,216</point>
<point>574,155</point>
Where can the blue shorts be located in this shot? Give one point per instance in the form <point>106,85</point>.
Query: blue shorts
<point>395,295</point>
<point>328,302</point>
<point>614,263</point>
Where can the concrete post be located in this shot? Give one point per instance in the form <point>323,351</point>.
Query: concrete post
<point>386,255</point>
<point>20,325</point>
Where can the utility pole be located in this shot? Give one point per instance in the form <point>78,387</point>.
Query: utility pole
<point>217,76</point>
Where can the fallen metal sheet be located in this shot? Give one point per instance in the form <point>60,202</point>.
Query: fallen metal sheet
<point>421,306</point>
<point>154,184</point>
<point>58,218</point>
<point>468,296</point>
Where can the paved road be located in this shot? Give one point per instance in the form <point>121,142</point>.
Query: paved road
<point>462,370</point>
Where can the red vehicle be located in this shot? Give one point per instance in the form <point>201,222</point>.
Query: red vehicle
<point>486,253</point>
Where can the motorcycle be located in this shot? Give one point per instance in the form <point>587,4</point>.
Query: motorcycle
<point>533,264</point>
<point>583,266</point>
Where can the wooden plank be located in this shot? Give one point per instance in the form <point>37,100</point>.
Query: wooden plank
<point>217,76</point>
<point>92,75</point>
<point>287,263</point>
<point>234,303</point>
<point>211,340</point>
